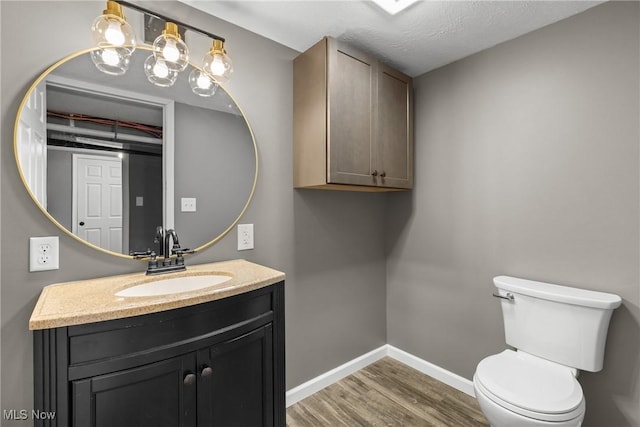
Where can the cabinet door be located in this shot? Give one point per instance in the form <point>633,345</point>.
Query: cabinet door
<point>351,105</point>
<point>159,394</point>
<point>235,382</point>
<point>394,133</point>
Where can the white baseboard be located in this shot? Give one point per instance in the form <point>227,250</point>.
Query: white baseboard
<point>316,384</point>
<point>449,378</point>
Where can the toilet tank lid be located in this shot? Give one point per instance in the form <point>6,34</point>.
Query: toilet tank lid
<point>563,294</point>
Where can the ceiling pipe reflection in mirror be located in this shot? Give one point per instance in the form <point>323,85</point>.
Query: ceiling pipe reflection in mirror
<point>115,40</point>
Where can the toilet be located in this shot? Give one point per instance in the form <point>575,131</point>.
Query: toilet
<point>555,332</point>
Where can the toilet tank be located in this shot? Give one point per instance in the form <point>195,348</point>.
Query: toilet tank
<point>558,323</point>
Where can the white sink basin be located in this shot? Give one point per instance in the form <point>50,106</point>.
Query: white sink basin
<point>174,285</point>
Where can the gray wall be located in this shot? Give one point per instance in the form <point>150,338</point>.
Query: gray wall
<point>60,185</point>
<point>330,245</point>
<point>527,164</point>
<point>221,184</point>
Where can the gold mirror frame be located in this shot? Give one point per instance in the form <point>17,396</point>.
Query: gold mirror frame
<point>62,227</point>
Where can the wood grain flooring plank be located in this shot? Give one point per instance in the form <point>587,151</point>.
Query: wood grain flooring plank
<point>387,393</point>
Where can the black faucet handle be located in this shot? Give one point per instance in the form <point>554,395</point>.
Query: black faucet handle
<point>181,251</point>
<point>143,254</point>
<point>179,254</point>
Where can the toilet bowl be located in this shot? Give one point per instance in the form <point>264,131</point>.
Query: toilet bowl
<point>554,331</point>
<point>516,389</point>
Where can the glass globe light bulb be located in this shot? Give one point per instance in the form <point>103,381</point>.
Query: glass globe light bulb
<point>201,84</point>
<point>112,60</point>
<point>110,56</point>
<point>160,69</point>
<point>203,81</point>
<point>112,30</point>
<point>170,48</point>
<point>217,66</point>
<point>170,51</point>
<point>218,63</point>
<point>158,72</point>
<point>113,34</point>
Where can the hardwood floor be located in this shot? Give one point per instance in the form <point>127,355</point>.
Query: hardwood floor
<point>387,393</point>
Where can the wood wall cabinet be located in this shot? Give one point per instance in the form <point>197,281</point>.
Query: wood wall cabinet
<point>214,364</point>
<point>352,121</point>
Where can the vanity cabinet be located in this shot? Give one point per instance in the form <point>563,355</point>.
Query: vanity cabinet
<point>352,120</point>
<point>219,363</point>
<point>155,394</point>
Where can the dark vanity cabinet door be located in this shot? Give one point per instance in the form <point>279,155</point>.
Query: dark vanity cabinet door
<point>217,364</point>
<point>235,386</point>
<point>160,394</point>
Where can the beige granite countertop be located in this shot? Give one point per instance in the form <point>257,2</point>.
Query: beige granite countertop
<point>94,300</point>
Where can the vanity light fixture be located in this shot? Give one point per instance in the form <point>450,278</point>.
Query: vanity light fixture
<point>116,41</point>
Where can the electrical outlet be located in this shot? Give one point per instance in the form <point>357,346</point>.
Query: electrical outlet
<point>245,237</point>
<point>43,253</point>
<point>188,204</point>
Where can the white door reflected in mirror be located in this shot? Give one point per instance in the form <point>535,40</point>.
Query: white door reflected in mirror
<point>97,200</point>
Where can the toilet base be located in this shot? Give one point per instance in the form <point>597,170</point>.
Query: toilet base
<point>502,417</point>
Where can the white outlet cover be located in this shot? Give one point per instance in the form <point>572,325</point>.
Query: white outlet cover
<point>245,237</point>
<point>44,253</point>
<point>188,204</point>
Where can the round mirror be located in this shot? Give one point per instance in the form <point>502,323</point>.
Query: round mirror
<point>109,159</point>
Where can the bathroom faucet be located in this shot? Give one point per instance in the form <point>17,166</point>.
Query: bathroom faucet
<point>168,264</point>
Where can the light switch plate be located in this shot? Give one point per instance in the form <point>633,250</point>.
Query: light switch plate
<point>188,204</point>
<point>245,237</point>
<point>43,253</point>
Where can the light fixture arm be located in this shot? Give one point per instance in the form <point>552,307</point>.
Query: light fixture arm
<point>167,19</point>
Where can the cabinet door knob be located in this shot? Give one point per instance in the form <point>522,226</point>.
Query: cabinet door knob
<point>383,174</point>
<point>374,173</point>
<point>189,379</point>
<point>206,372</point>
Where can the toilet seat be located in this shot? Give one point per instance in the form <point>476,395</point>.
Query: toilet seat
<point>530,386</point>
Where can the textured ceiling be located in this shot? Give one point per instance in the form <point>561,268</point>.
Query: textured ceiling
<point>425,36</point>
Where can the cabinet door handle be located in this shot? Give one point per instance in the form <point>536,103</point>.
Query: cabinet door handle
<point>383,174</point>
<point>189,379</point>
<point>206,372</point>
<point>374,173</point>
